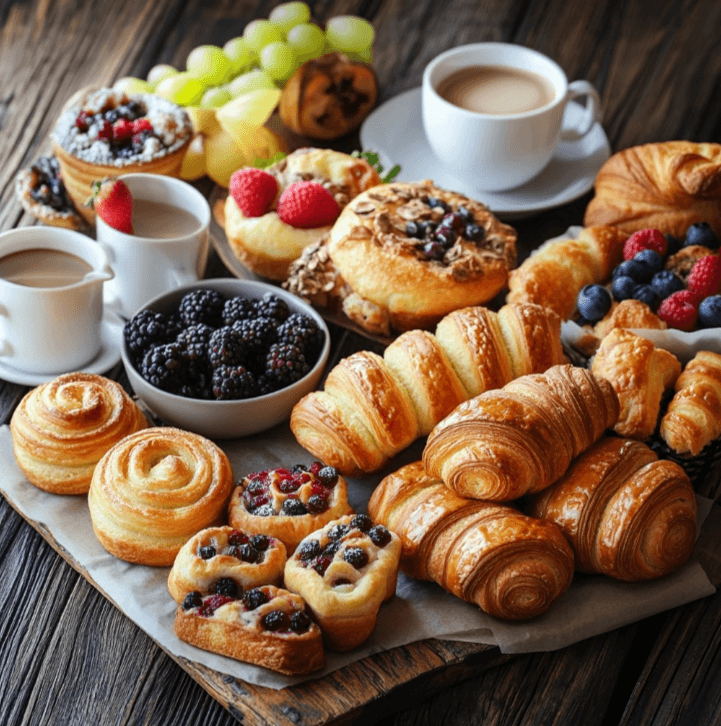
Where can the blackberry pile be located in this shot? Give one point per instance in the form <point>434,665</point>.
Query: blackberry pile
<point>219,348</point>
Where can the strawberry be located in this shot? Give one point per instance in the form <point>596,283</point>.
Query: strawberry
<point>253,190</point>
<point>307,204</point>
<point>113,203</point>
<point>680,310</point>
<point>645,239</point>
<point>705,276</point>
<point>122,129</point>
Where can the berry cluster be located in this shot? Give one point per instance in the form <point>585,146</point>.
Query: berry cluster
<point>48,187</point>
<point>244,547</point>
<point>645,275</point>
<point>222,348</point>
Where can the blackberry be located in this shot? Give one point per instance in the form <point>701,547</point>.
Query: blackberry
<point>260,542</point>
<point>257,334</point>
<point>328,476</point>
<point>308,550</point>
<point>248,553</point>
<point>202,306</point>
<point>264,510</point>
<point>236,537</point>
<point>317,504</point>
<point>271,306</point>
<point>465,213</point>
<point>303,331</point>
<point>330,549</point>
<point>192,600</point>
<point>147,329</point>
<point>229,587</point>
<point>285,364</point>
<point>254,598</point>
<point>362,522</point>
<point>356,556</point>
<point>299,621</point>
<point>162,367</point>
<point>379,535</point>
<point>194,340</point>
<point>226,348</point>
<point>338,530</point>
<point>197,382</point>
<point>276,620</point>
<point>207,552</point>
<point>237,308</point>
<point>293,508</point>
<point>231,383</point>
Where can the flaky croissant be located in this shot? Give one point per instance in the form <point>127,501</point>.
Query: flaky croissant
<point>521,438</point>
<point>626,513</point>
<point>554,275</point>
<point>693,417</point>
<point>372,407</point>
<point>510,565</point>
<point>668,186</point>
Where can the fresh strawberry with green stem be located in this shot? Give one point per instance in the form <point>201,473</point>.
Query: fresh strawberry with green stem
<point>113,203</point>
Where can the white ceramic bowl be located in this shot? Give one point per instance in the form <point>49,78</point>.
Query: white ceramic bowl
<point>227,419</point>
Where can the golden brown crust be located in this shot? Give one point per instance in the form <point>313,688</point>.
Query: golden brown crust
<point>61,429</point>
<point>626,513</point>
<point>511,566</point>
<point>629,314</point>
<point>26,180</point>
<point>666,186</point>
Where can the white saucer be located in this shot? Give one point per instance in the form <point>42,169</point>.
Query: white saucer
<point>395,131</point>
<point>111,332</point>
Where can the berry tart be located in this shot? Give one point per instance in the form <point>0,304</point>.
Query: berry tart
<point>401,256</point>
<point>289,503</point>
<point>272,214</point>
<point>345,572</point>
<point>107,132</point>
<point>265,626</point>
<point>224,561</point>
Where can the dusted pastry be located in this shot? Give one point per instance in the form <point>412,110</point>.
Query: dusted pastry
<point>511,566</point>
<point>626,513</point>
<point>61,429</point>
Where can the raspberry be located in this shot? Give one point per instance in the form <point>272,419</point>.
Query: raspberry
<point>122,130</point>
<point>142,124</point>
<point>83,121</point>
<point>253,191</point>
<point>705,277</point>
<point>106,131</point>
<point>680,310</point>
<point>307,204</point>
<point>644,239</point>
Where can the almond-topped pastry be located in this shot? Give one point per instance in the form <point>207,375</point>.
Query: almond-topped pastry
<point>289,504</point>
<point>401,256</point>
<point>345,572</point>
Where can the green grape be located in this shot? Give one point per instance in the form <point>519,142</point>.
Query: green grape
<point>278,60</point>
<point>209,65</point>
<point>307,40</point>
<point>131,85</point>
<point>182,89</point>
<point>288,15</point>
<point>241,57</point>
<point>160,73</point>
<point>259,33</point>
<point>250,81</point>
<point>349,33</point>
<point>215,97</point>
<point>366,56</point>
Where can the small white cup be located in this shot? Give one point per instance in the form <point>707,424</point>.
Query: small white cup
<point>52,330</point>
<point>145,267</point>
<point>496,152</point>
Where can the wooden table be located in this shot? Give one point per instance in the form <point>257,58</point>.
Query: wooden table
<point>67,656</point>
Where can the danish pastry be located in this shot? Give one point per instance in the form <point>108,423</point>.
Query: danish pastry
<point>629,314</point>
<point>61,429</point>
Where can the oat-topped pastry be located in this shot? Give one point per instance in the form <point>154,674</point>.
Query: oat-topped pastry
<point>403,255</point>
<point>272,214</point>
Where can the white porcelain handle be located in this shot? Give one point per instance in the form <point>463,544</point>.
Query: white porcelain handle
<point>591,113</point>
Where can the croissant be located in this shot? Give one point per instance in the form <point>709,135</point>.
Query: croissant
<point>521,438</point>
<point>668,186</point>
<point>693,417</point>
<point>626,513</point>
<point>372,407</point>
<point>511,566</point>
<point>554,275</point>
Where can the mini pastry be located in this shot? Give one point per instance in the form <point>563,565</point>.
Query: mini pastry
<point>681,263</point>
<point>106,133</point>
<point>288,504</point>
<point>154,490</point>
<point>629,314</point>
<point>345,572</point>
<point>267,237</point>
<point>219,558</point>
<point>266,626</point>
<point>401,256</point>
<point>61,429</point>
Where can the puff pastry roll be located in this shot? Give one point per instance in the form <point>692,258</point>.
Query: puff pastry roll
<point>554,275</point>
<point>266,626</point>
<point>344,572</point>
<point>288,504</point>
<point>667,186</point>
<point>154,490</point>
<point>640,373</point>
<point>521,438</point>
<point>510,565</point>
<point>626,513</point>
<point>61,429</point>
<point>693,417</point>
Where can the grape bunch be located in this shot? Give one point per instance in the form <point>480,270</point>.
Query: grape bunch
<point>265,56</point>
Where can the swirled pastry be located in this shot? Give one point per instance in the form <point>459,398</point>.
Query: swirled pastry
<point>521,438</point>
<point>401,256</point>
<point>511,566</point>
<point>61,429</point>
<point>154,490</point>
<point>344,572</point>
<point>288,504</point>
<point>216,555</point>
<point>267,626</point>
<point>626,513</point>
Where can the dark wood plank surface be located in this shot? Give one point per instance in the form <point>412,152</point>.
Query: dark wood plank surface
<point>67,656</point>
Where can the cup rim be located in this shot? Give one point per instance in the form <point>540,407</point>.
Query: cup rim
<point>451,52</point>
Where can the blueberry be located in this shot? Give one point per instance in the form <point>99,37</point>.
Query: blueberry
<point>413,230</point>
<point>623,287</point>
<point>674,244</point>
<point>651,258</point>
<point>635,270</point>
<point>646,294</point>
<point>474,232</point>
<point>701,234</point>
<point>463,211</point>
<point>434,250</point>
<point>709,312</point>
<point>594,301</point>
<point>445,236</point>
<point>192,600</point>
<point>666,283</point>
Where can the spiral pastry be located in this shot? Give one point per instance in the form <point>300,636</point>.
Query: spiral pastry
<point>154,490</point>
<point>61,429</point>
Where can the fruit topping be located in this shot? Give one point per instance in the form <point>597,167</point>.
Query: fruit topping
<point>362,522</point>
<point>379,535</point>
<point>113,203</point>
<point>705,276</point>
<point>248,553</point>
<point>594,301</point>
<point>645,239</point>
<point>338,530</point>
<point>253,190</point>
<point>307,204</point>
<point>229,587</point>
<point>309,550</point>
<point>356,556</point>
<point>709,312</point>
<point>207,552</point>
<point>702,234</point>
<point>254,598</point>
<point>260,542</point>
<point>212,603</point>
<point>276,620</point>
<point>293,508</point>
<point>680,310</point>
<point>299,621</point>
<point>192,600</point>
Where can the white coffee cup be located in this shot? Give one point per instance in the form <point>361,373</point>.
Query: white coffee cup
<point>146,267</point>
<point>52,330</point>
<point>494,152</point>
